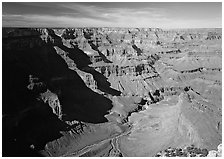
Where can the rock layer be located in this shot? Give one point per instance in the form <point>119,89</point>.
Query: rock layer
<point>96,91</point>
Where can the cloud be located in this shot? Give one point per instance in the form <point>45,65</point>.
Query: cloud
<point>82,15</point>
<point>114,14</point>
<point>78,15</point>
<point>49,21</point>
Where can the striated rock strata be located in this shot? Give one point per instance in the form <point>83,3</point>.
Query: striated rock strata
<point>110,91</point>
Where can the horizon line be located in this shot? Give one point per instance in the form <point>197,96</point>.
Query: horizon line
<point>108,27</point>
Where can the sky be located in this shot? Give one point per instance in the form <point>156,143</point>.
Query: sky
<point>113,14</point>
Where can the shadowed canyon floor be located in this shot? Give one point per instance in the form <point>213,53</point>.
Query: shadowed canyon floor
<point>111,91</point>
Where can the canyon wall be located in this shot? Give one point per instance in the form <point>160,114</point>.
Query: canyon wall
<point>96,91</point>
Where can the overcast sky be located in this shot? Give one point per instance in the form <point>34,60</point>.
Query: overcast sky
<point>113,14</point>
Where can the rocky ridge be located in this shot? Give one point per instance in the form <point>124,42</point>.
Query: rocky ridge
<point>96,82</point>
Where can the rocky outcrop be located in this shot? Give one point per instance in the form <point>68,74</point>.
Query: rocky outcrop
<point>214,153</point>
<point>34,73</point>
<point>95,91</point>
<point>190,151</point>
<point>121,47</point>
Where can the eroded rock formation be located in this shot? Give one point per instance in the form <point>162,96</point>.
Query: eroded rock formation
<point>96,91</point>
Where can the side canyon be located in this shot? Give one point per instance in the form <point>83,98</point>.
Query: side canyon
<point>110,91</point>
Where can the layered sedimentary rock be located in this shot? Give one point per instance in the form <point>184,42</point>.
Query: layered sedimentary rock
<point>110,91</point>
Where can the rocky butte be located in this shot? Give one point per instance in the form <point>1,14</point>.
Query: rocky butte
<point>111,92</point>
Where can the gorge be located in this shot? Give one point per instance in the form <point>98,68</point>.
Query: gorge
<point>110,91</point>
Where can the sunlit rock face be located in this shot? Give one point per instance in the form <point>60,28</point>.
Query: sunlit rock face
<point>111,91</point>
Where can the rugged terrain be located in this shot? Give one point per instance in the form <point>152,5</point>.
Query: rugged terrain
<point>110,91</point>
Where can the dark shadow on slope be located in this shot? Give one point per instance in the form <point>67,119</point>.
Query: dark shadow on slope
<point>28,121</point>
<point>94,47</point>
<point>46,64</point>
<point>35,126</point>
<point>77,55</point>
<point>78,101</point>
<point>102,83</point>
<point>139,51</point>
<point>82,60</point>
<point>104,58</point>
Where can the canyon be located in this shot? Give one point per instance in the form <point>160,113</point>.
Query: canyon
<point>110,91</point>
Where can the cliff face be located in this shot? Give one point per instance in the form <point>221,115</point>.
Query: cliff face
<point>86,85</point>
<point>147,54</point>
<point>34,74</point>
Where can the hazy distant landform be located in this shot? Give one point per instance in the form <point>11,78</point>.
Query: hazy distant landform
<point>126,90</point>
<point>112,92</point>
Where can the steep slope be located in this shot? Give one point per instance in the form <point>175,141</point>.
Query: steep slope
<point>96,91</point>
